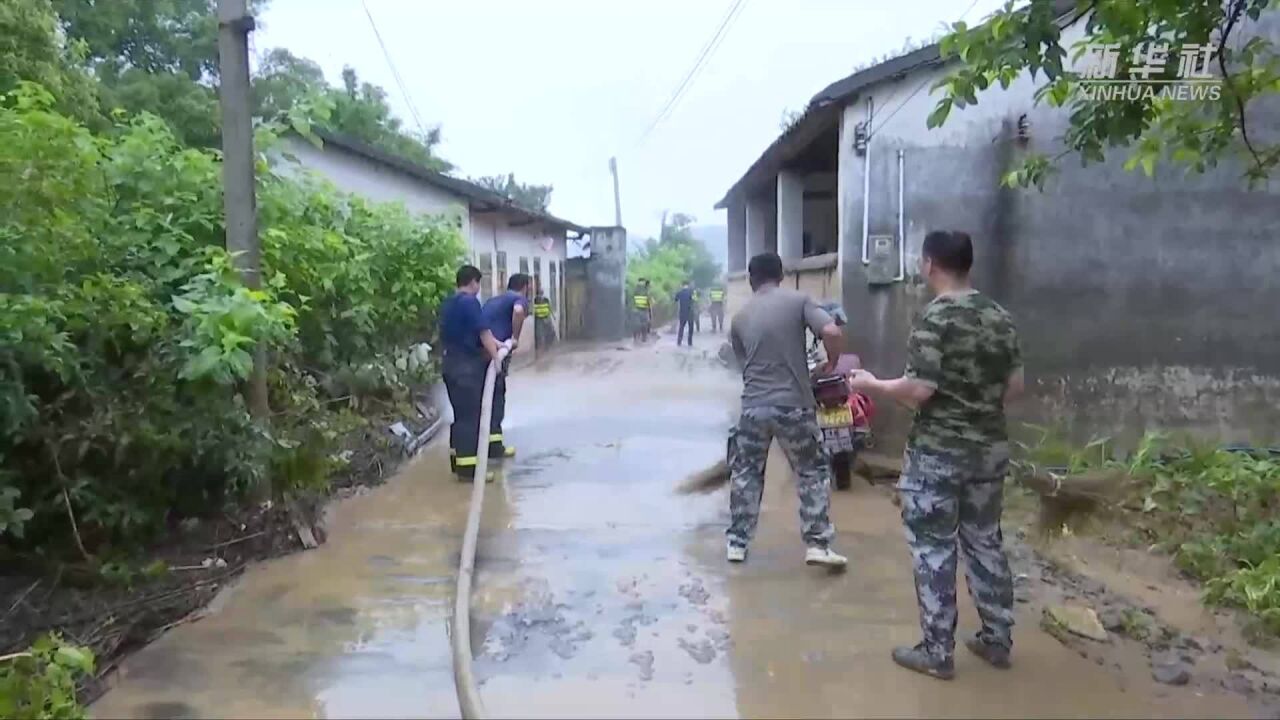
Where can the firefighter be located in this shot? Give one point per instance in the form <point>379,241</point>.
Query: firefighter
<point>641,311</point>
<point>505,315</point>
<point>716,295</point>
<point>469,346</point>
<point>543,329</point>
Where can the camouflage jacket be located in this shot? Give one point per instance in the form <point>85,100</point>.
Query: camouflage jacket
<point>966,346</point>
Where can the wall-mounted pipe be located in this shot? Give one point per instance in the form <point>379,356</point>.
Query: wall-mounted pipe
<point>902,218</point>
<point>866,187</point>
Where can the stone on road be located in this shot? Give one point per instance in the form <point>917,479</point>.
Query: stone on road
<point>1075,619</point>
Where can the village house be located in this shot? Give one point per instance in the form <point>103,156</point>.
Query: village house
<point>504,238</point>
<point>1141,302</point>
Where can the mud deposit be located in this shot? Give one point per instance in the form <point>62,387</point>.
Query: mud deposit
<point>1155,622</point>
<point>599,592</point>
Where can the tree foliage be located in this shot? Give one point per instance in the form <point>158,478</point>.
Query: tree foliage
<point>1195,134</point>
<point>358,109</point>
<point>154,36</point>
<point>532,197</point>
<point>124,328</point>
<point>156,56</point>
<point>161,57</point>
<point>666,262</point>
<point>32,49</point>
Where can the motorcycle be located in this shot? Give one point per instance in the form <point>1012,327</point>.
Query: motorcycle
<point>844,416</point>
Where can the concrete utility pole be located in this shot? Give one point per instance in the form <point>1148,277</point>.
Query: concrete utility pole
<point>617,197</point>
<point>234,25</point>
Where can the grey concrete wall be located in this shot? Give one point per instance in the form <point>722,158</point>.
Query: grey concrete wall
<point>758,222</point>
<point>1142,303</point>
<point>575,299</point>
<point>605,314</point>
<point>737,237</point>
<point>790,215</point>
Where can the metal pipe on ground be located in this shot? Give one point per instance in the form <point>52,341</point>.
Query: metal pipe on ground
<point>460,636</point>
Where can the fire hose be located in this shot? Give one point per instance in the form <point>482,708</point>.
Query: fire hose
<point>463,679</point>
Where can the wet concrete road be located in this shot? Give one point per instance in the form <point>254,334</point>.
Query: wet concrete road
<point>599,592</point>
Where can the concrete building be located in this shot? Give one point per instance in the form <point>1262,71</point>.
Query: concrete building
<point>1142,302</point>
<point>504,238</point>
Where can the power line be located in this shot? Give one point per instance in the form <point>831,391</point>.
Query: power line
<point>700,63</point>
<point>919,87</point>
<point>404,92</point>
<point>705,54</point>
<point>735,12</point>
<point>714,48</point>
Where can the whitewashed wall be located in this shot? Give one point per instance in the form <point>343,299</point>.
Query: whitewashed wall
<point>489,233</point>
<point>356,174</point>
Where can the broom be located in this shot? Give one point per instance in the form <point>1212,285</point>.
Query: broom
<point>708,480</point>
<point>705,481</point>
<point>712,478</point>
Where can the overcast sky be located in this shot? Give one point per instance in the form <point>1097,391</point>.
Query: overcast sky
<point>550,89</point>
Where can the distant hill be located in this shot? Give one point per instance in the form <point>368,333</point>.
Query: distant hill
<point>716,240</point>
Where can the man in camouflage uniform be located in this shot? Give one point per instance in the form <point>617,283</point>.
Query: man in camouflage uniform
<point>768,339</point>
<point>963,363</point>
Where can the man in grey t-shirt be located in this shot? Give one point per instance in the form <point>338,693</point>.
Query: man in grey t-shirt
<point>768,337</point>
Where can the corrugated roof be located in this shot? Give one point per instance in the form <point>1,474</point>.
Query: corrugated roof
<point>470,190</point>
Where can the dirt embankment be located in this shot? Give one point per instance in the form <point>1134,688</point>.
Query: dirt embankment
<point>1125,608</point>
<point>117,608</point>
<point>1131,610</point>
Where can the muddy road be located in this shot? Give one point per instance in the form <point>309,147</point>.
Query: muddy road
<point>601,593</point>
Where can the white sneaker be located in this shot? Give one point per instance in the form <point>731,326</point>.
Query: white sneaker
<point>824,556</point>
<point>736,554</point>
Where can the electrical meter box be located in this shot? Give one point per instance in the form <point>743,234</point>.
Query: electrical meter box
<point>883,255</point>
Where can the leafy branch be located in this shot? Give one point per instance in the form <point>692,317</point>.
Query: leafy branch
<point>1196,132</point>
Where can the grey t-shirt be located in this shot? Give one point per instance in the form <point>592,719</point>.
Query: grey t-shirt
<point>769,341</point>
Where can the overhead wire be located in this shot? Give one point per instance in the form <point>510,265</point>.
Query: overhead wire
<point>923,82</point>
<point>704,55</point>
<point>395,74</point>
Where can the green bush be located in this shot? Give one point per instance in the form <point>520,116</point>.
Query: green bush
<point>1255,588</point>
<point>1216,510</point>
<point>41,682</point>
<point>125,332</point>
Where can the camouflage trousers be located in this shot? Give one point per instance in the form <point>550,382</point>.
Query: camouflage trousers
<point>945,501</point>
<point>796,430</point>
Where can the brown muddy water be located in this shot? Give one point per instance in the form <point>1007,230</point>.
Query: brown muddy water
<point>599,592</point>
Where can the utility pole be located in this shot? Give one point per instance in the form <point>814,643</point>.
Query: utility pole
<point>617,197</point>
<point>234,25</point>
